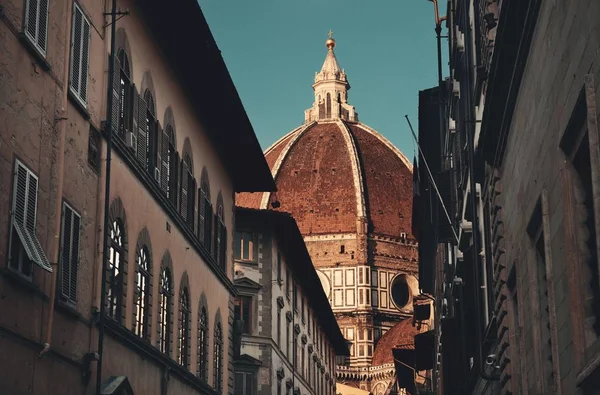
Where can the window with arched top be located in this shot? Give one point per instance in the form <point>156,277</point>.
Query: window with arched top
<point>165,311</point>
<point>220,236</point>
<point>124,105</point>
<point>142,294</point>
<point>188,190</point>
<point>328,106</point>
<point>218,358</point>
<point>115,271</point>
<point>205,216</point>
<point>183,345</point>
<point>202,358</point>
<point>152,136</point>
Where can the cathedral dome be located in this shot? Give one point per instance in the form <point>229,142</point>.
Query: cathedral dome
<point>336,176</point>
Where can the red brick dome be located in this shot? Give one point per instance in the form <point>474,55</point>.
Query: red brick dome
<point>401,335</point>
<point>335,176</point>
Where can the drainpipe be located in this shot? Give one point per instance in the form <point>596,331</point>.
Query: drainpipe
<point>108,131</point>
<point>62,131</point>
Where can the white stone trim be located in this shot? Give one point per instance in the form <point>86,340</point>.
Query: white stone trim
<point>264,203</point>
<point>356,170</point>
<point>330,236</point>
<point>385,141</point>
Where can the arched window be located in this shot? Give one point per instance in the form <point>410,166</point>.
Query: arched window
<point>203,344</point>
<point>328,104</point>
<point>125,103</point>
<point>218,358</point>
<point>205,216</point>
<point>141,298</point>
<point>188,190</point>
<point>184,328</point>
<point>115,271</point>
<point>164,311</point>
<point>220,237</point>
<point>152,136</point>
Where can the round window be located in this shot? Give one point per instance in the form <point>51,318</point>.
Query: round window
<point>401,294</point>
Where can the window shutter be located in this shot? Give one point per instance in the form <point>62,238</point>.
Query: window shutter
<point>208,225</point>
<point>24,214</point>
<point>135,103</point>
<point>20,195</point>
<point>216,238</point>
<point>42,25</point>
<point>184,187</point>
<point>191,200</point>
<point>158,151</point>
<point>164,162</point>
<point>69,253</point>
<point>142,140</point>
<point>80,40</point>
<point>175,179</point>
<point>116,92</point>
<point>36,23</point>
<point>223,248</point>
<point>201,199</point>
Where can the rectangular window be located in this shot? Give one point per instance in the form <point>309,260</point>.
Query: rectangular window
<point>243,311</point>
<point>360,275</point>
<point>80,55</point>
<point>24,246</point>
<point>279,327</point>
<point>287,339</point>
<point>374,298</point>
<point>279,279</point>
<point>69,253</point>
<point>350,334</point>
<point>36,23</point>
<point>244,383</point>
<point>246,247</point>
<point>361,350</point>
<point>295,291</point>
<point>287,283</point>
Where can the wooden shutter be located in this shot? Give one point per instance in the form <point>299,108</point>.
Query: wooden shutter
<point>184,187</point>
<point>164,162</point>
<point>208,225</point>
<point>80,41</point>
<point>223,248</point>
<point>69,253</point>
<point>36,23</point>
<point>191,201</point>
<point>24,215</point>
<point>175,179</point>
<point>158,151</point>
<point>142,138</point>
<point>217,237</point>
<point>116,92</point>
<point>201,198</point>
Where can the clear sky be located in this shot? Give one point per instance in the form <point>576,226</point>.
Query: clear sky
<point>272,49</point>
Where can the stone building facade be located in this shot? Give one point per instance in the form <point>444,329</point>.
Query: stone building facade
<point>176,165</point>
<point>529,292</point>
<point>350,191</point>
<point>290,339</point>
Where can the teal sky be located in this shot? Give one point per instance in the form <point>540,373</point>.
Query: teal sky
<point>273,48</point>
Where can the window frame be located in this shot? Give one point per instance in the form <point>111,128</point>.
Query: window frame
<point>141,327</point>
<point>218,358</point>
<point>115,286</point>
<point>31,39</point>
<point>76,92</point>
<point>71,297</point>
<point>165,311</point>
<point>183,344</point>
<point>244,304</point>
<point>202,351</point>
<point>252,242</point>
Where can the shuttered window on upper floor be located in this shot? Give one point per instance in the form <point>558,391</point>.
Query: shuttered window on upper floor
<point>24,246</point>
<point>80,55</point>
<point>35,23</point>
<point>69,253</point>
